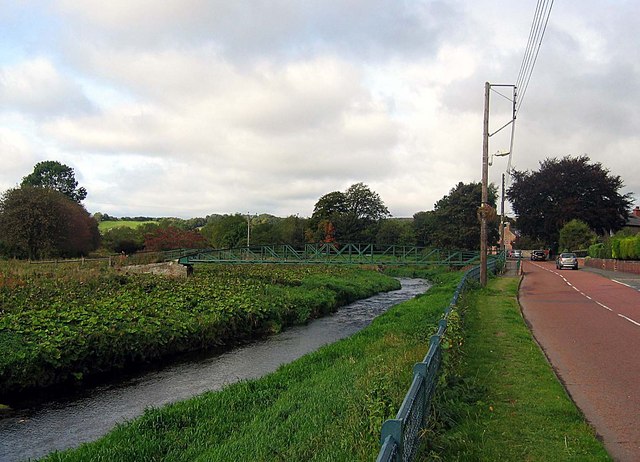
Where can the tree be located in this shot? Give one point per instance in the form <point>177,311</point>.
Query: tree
<point>330,206</point>
<point>454,224</point>
<point>395,232</point>
<point>42,223</point>
<point>226,231</point>
<point>291,231</point>
<point>576,235</point>
<point>59,177</point>
<point>354,215</point>
<point>170,238</point>
<point>424,226</point>
<point>123,239</point>
<point>563,190</point>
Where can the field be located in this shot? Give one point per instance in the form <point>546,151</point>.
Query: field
<point>62,323</point>
<point>104,226</point>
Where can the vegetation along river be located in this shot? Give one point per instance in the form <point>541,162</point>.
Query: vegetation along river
<point>35,431</point>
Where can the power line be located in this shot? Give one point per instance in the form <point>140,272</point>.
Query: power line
<point>530,42</point>
<point>538,28</point>
<point>536,34</point>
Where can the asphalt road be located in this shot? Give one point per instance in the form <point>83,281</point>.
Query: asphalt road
<point>589,327</point>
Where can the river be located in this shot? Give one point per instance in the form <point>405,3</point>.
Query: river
<point>34,431</point>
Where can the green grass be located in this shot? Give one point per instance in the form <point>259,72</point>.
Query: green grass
<point>503,401</point>
<point>104,226</point>
<point>326,406</point>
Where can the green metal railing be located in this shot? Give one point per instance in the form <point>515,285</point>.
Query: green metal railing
<point>334,254</point>
<point>400,437</point>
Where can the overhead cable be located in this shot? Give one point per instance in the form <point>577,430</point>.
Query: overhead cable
<point>538,28</point>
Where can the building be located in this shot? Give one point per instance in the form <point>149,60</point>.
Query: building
<point>633,222</point>
<point>509,237</point>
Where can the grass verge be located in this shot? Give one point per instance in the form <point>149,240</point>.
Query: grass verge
<point>502,400</point>
<point>326,406</point>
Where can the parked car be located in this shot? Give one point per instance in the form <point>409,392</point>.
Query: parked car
<point>516,253</point>
<point>567,260</point>
<point>538,255</point>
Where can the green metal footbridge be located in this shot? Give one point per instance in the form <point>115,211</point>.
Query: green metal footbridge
<point>332,254</point>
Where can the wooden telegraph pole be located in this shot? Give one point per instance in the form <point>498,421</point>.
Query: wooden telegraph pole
<point>485,192</point>
<point>484,207</point>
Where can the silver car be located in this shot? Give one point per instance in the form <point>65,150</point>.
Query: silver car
<point>567,260</point>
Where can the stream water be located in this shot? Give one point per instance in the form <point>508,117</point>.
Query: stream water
<point>41,428</point>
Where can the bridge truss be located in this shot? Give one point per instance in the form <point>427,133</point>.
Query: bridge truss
<point>334,254</point>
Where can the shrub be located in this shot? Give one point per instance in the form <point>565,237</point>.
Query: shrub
<point>597,251</point>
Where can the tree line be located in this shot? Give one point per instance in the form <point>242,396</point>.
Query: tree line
<point>44,217</point>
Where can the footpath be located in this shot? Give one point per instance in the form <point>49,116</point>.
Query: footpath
<point>629,279</point>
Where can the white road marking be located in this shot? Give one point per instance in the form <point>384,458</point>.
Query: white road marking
<point>629,319</point>
<point>625,284</point>
<point>603,305</point>
<point>586,296</point>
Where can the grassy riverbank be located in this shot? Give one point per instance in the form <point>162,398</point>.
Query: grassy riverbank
<point>326,406</point>
<point>62,325</point>
<point>504,401</point>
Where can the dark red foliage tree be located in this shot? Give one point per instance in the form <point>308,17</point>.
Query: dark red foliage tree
<point>40,222</point>
<point>171,238</point>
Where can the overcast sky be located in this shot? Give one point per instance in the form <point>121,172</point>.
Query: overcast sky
<point>191,107</point>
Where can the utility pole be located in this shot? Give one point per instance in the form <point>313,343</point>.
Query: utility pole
<point>485,187</point>
<point>502,217</point>
<point>248,228</point>
<point>484,208</point>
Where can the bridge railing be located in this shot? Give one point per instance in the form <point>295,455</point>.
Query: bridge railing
<point>400,437</point>
<point>332,253</point>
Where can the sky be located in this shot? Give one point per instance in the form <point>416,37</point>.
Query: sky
<point>187,108</point>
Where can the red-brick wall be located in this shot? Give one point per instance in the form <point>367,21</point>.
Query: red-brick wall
<point>625,266</point>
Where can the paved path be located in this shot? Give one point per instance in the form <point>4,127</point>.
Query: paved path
<point>589,327</point>
<point>629,279</point>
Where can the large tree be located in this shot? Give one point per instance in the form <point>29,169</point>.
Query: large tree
<point>454,224</point>
<point>59,177</point>
<point>354,215</point>
<point>563,190</point>
<point>41,223</point>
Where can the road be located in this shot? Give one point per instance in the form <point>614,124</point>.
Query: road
<point>589,327</point>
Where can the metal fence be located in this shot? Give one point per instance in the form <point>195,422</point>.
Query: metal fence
<point>400,437</point>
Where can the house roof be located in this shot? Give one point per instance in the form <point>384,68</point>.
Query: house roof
<point>633,221</point>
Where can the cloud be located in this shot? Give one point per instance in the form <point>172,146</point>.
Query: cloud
<point>307,117</point>
<point>17,155</point>
<point>35,87</point>
<point>193,107</point>
<point>361,29</point>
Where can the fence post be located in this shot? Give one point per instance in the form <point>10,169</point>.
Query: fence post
<point>392,428</point>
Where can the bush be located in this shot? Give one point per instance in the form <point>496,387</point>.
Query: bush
<point>623,248</point>
<point>597,251</point>
<point>615,248</point>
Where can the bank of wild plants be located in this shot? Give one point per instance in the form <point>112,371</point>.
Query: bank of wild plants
<point>65,324</point>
